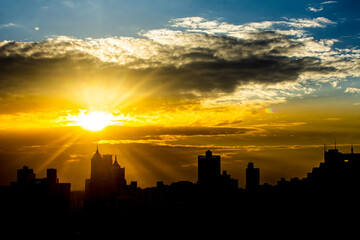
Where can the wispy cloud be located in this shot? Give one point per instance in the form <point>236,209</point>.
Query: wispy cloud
<point>315,9</point>
<point>10,25</point>
<point>319,7</point>
<point>329,2</point>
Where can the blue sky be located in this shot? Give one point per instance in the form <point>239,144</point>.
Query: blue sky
<point>36,20</point>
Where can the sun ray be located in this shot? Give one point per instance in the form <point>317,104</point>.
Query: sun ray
<point>72,139</point>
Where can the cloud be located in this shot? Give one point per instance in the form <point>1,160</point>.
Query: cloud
<point>352,90</point>
<point>328,2</point>
<point>193,58</point>
<point>183,61</point>
<point>319,7</point>
<point>315,9</point>
<point>293,26</point>
<point>9,25</point>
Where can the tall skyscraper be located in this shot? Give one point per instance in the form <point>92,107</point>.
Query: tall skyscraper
<point>252,177</point>
<point>107,179</point>
<point>208,169</point>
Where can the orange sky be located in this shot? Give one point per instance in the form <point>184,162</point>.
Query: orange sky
<point>248,95</point>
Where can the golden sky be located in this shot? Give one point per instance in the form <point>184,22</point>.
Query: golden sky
<point>159,100</point>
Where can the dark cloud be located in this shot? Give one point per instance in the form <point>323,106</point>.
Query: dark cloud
<point>227,75</point>
<point>210,63</point>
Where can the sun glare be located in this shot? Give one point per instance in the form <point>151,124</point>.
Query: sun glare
<point>94,121</point>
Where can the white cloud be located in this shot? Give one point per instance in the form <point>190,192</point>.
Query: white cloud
<point>319,7</point>
<point>292,27</point>
<point>315,9</point>
<point>352,90</point>
<point>9,25</point>
<point>328,2</point>
<point>309,23</point>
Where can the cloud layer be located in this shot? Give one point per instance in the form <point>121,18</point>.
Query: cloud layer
<point>193,58</point>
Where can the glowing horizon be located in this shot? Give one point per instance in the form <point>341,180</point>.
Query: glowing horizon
<point>159,89</point>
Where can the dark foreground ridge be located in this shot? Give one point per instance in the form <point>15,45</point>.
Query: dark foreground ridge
<point>46,208</point>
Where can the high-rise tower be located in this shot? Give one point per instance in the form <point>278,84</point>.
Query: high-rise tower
<point>252,177</point>
<point>107,180</point>
<point>96,165</point>
<point>118,176</point>
<point>208,169</point>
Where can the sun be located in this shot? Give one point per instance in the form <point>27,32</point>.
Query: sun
<point>94,121</point>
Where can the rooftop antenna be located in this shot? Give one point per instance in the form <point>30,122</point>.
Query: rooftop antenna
<point>352,149</point>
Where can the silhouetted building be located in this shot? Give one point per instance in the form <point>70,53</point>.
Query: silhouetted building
<point>209,175</point>
<point>118,177</point>
<point>51,176</point>
<point>335,159</point>
<point>26,180</point>
<point>337,171</point>
<point>227,182</point>
<point>208,169</point>
<point>37,196</point>
<point>252,177</point>
<point>107,181</point>
<point>36,207</point>
<point>25,176</point>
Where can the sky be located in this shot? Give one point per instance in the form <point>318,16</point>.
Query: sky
<point>158,83</point>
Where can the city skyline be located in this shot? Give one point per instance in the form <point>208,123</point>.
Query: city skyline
<point>209,172</point>
<point>107,191</point>
<point>240,175</point>
<point>46,207</point>
<point>157,83</point>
